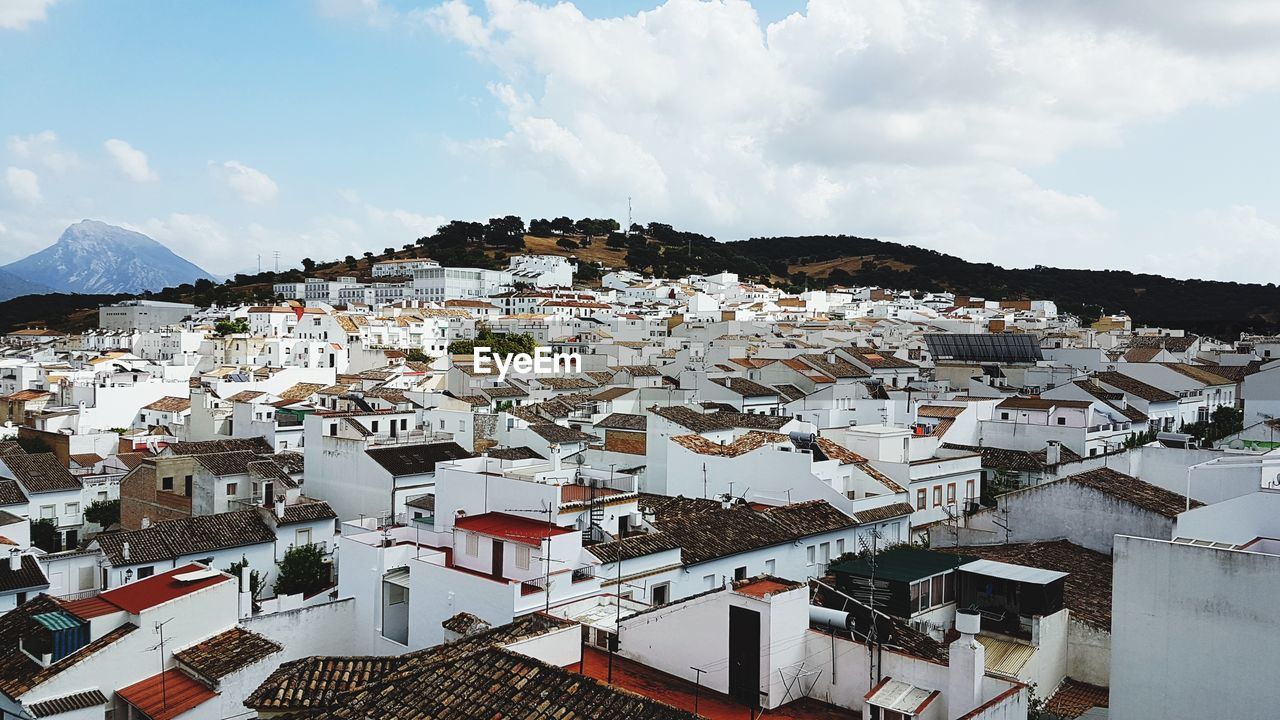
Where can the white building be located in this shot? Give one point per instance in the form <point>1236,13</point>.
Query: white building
<point>438,284</point>
<point>142,315</point>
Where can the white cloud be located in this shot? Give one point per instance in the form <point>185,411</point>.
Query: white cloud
<point>19,14</point>
<point>44,148</point>
<point>23,184</point>
<point>131,161</point>
<point>1234,243</point>
<point>912,121</point>
<point>252,185</point>
<point>395,227</point>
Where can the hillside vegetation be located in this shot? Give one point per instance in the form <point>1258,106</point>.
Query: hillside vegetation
<point>1221,309</point>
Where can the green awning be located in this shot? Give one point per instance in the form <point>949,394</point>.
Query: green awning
<point>56,620</point>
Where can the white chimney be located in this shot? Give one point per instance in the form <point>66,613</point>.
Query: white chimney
<point>554,450</point>
<point>124,551</point>
<point>15,560</point>
<point>246,592</point>
<point>1053,453</point>
<point>966,667</point>
<point>280,508</point>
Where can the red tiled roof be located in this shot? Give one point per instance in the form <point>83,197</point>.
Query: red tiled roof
<point>159,589</point>
<point>510,527</point>
<point>167,695</point>
<point>89,608</point>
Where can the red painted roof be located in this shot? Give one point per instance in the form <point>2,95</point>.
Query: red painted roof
<point>510,527</point>
<point>167,695</point>
<point>158,589</point>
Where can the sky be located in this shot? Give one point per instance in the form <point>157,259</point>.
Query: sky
<point>1106,134</point>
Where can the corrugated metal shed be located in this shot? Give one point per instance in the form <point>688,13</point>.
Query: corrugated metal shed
<point>1006,657</point>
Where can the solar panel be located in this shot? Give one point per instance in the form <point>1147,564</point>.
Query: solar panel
<point>986,347</point>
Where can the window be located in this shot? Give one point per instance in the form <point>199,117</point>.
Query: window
<point>949,588</point>
<point>1062,421</point>
<point>85,577</point>
<point>442,424</point>
<point>769,566</point>
<point>473,544</point>
<point>146,572</point>
<point>522,557</point>
<point>374,426</point>
<point>810,554</point>
<point>936,591</point>
<point>839,547</point>
<point>921,502</point>
<point>937,495</point>
<point>462,426</point>
<point>397,594</point>
<point>660,594</point>
<point>333,427</point>
<point>740,573</point>
<point>73,508</point>
<point>824,551</point>
<point>231,489</point>
<point>709,581</point>
<point>48,512</point>
<point>951,493</point>
<point>968,490</point>
<point>166,483</point>
<point>1004,416</point>
<point>1093,451</point>
<point>302,537</point>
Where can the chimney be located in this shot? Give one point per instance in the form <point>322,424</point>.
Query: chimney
<point>280,507</point>
<point>246,592</point>
<point>15,560</point>
<point>966,667</point>
<point>1053,453</point>
<point>554,450</point>
<point>124,551</point>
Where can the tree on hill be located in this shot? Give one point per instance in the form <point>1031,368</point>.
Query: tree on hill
<point>566,243</point>
<point>505,231</point>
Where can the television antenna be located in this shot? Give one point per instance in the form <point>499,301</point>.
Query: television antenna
<point>164,691</point>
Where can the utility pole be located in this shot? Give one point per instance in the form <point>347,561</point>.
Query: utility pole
<point>617,618</point>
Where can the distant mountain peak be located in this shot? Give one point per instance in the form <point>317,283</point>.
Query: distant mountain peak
<point>92,256</point>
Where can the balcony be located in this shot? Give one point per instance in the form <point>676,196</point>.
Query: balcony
<point>410,437</point>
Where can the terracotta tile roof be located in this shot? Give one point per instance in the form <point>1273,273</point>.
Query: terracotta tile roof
<point>939,411</point>
<point>875,359</point>
<point>514,453</point>
<point>753,440</point>
<point>400,460</point>
<point>836,451</point>
<point>301,391</point>
<point>1135,387</point>
<point>1199,373</point>
<point>1109,398</point>
<point>789,392</point>
<point>1141,354</point>
<point>623,421</point>
<point>612,393</point>
<point>744,387</point>
<point>85,460</point>
<point>166,695</point>
<point>554,433</point>
<point>227,463</point>
<point>422,502</point>
<point>319,682</point>
<point>170,404</point>
<point>884,512</point>
<point>996,458</point>
<point>307,511</point>
<point>1134,491</point>
<point>29,576</point>
<point>246,396</point>
<point>1073,698</point>
<point>201,447</point>
<point>171,539</point>
<point>1087,591</point>
<point>838,367</point>
<point>41,473</point>
<point>640,370</point>
<point>11,493</point>
<point>68,703</point>
<point>689,418</point>
<point>1172,344</point>
<point>226,653</point>
<point>704,531</point>
<point>11,447</point>
<point>497,683</point>
<point>504,391</point>
<point>28,395</point>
